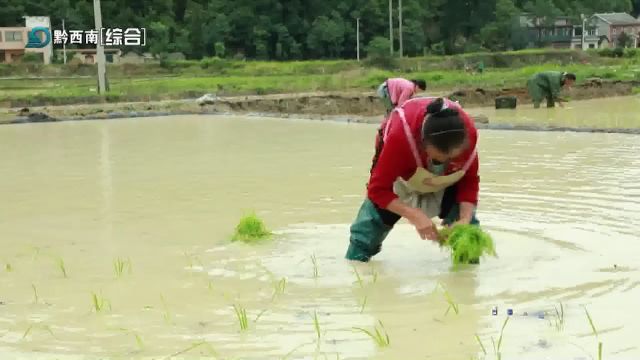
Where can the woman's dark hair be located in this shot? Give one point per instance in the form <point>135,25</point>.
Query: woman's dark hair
<point>443,128</point>
<point>570,76</point>
<point>420,83</point>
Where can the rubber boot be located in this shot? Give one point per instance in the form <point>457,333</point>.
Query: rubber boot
<point>368,231</point>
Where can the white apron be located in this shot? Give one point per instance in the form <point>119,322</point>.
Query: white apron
<point>424,190</point>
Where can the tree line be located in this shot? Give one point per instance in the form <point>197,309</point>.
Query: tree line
<point>312,29</point>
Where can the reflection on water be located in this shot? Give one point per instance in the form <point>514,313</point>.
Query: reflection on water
<point>166,193</point>
<point>616,112</point>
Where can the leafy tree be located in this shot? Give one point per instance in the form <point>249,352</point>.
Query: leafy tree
<point>414,38</point>
<point>378,47</point>
<point>303,29</point>
<point>497,35</point>
<point>159,32</point>
<point>326,37</point>
<point>219,49</point>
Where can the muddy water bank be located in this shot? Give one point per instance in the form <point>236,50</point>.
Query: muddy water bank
<point>357,107</point>
<point>363,103</point>
<point>481,120</point>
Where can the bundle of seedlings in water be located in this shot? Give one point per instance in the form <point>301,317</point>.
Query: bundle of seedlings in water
<point>467,243</point>
<point>251,229</point>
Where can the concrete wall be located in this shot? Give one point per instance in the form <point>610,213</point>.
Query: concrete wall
<point>13,45</point>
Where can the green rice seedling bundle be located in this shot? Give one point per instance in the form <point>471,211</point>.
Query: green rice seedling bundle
<point>467,243</point>
<point>250,229</point>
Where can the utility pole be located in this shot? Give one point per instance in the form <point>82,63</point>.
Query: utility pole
<point>584,19</point>
<point>391,27</point>
<point>358,37</point>
<point>102,71</point>
<point>64,46</point>
<point>400,25</point>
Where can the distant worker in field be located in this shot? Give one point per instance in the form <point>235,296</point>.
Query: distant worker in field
<point>547,85</point>
<point>395,91</point>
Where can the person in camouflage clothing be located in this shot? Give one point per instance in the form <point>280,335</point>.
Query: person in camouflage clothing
<point>547,85</point>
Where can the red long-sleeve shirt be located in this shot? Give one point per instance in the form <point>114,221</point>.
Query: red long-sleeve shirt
<point>396,159</point>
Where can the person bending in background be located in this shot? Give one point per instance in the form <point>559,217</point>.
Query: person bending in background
<point>425,165</point>
<point>547,85</point>
<point>395,91</point>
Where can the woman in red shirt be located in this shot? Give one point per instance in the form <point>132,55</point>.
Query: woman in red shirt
<point>425,165</point>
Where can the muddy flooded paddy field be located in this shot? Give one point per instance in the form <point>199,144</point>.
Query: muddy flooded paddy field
<point>115,244</point>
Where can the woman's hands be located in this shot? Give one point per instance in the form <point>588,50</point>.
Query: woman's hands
<point>423,224</point>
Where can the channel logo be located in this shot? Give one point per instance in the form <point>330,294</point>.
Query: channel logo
<point>34,40</point>
<point>539,315</point>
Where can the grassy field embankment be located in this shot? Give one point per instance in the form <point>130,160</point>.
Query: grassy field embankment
<point>36,84</point>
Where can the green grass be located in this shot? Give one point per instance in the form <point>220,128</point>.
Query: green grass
<point>35,293</point>
<point>251,229</point>
<point>484,351</point>
<point>360,281</point>
<point>243,319</point>
<point>279,287</point>
<point>316,324</point>
<point>120,266</point>
<point>595,333</point>
<point>558,320</point>
<point>496,349</point>
<point>452,304</point>
<point>166,314</point>
<point>378,334</point>
<point>136,336</point>
<point>358,278</point>
<point>31,327</point>
<point>241,316</point>
<point>314,261</point>
<point>99,303</point>
<point>62,267</point>
<point>363,304</point>
<point>193,78</point>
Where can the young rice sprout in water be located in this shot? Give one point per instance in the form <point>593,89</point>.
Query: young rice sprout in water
<point>379,335</point>
<point>62,267</point>
<point>120,265</point>
<point>595,333</point>
<point>241,315</point>
<point>251,229</point>
<point>35,293</point>
<point>100,303</point>
<point>31,327</point>
<point>316,324</point>
<point>314,261</point>
<point>496,350</point>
